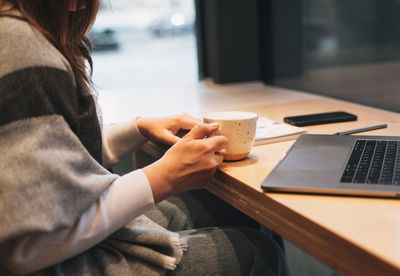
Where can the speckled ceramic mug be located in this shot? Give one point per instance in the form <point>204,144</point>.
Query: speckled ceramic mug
<point>240,129</point>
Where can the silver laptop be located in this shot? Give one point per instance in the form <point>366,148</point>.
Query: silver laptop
<point>339,164</point>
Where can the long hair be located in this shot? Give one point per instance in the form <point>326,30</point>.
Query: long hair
<point>64,28</point>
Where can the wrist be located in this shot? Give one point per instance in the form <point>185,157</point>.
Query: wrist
<point>143,126</point>
<point>160,180</point>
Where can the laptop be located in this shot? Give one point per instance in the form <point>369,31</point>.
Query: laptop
<point>339,164</point>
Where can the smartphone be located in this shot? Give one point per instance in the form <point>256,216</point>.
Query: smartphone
<point>320,118</point>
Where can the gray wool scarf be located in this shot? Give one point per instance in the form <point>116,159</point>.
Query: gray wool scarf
<point>48,180</point>
<point>142,247</point>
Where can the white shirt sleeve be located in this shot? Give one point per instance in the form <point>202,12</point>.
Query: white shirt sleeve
<point>120,139</point>
<point>127,197</point>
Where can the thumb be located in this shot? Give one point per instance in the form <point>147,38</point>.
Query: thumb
<point>202,130</point>
<point>169,137</point>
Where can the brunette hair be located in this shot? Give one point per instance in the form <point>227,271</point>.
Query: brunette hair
<point>64,28</point>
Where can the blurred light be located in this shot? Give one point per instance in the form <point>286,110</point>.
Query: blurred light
<point>178,19</point>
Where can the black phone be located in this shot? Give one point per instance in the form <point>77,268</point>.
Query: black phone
<point>320,118</point>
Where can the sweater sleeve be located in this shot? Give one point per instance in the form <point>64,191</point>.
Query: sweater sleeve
<point>128,197</point>
<point>120,139</point>
<point>58,207</point>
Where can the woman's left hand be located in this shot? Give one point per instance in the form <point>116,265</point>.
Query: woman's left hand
<point>165,130</point>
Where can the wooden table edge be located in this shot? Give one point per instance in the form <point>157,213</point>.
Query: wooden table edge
<point>325,246</point>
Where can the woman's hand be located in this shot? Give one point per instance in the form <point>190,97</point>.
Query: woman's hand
<point>165,130</point>
<point>188,164</point>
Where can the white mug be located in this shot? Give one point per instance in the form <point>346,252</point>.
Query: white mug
<point>239,128</point>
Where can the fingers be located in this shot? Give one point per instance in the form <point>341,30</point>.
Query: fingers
<point>202,130</point>
<point>217,143</point>
<point>187,121</point>
<point>219,158</point>
<point>169,137</point>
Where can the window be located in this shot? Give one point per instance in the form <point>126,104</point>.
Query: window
<point>347,49</point>
<point>144,47</point>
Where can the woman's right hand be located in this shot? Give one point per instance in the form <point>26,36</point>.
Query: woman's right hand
<point>188,164</point>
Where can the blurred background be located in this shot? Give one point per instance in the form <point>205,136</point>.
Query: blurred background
<point>143,43</point>
<point>344,49</point>
<point>349,50</point>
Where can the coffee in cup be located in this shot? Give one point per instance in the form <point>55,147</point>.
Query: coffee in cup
<point>239,128</point>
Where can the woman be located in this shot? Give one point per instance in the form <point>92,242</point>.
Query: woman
<point>61,211</point>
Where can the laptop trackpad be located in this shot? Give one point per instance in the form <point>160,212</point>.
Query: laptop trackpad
<point>315,158</point>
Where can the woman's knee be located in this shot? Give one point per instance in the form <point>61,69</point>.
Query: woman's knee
<point>231,251</point>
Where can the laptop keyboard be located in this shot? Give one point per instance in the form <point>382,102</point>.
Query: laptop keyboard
<point>373,162</point>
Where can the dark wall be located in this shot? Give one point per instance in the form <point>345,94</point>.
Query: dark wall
<point>280,38</point>
<point>228,34</point>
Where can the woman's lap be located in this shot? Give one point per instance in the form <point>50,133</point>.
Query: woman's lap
<point>197,209</point>
<point>230,251</point>
<point>221,240</point>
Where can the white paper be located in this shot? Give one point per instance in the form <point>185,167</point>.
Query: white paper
<point>269,131</point>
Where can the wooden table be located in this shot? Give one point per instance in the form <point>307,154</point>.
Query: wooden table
<point>353,235</point>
